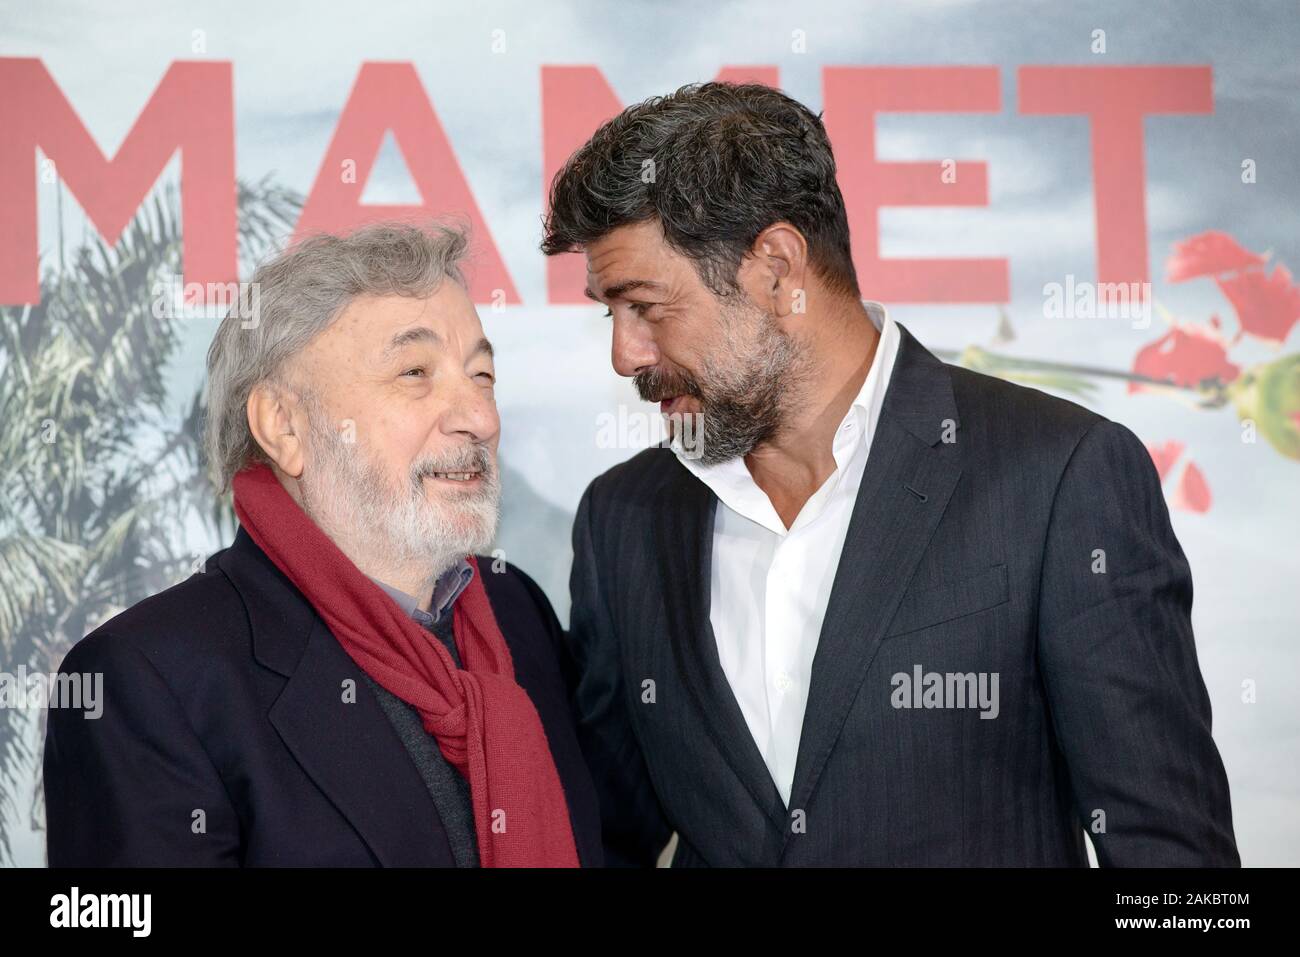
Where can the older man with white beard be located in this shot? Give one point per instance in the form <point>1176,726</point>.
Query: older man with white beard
<point>346,684</point>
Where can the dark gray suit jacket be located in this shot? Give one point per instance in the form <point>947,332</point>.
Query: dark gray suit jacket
<point>981,554</point>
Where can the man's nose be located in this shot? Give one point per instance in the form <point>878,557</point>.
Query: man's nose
<point>634,347</point>
<point>471,411</point>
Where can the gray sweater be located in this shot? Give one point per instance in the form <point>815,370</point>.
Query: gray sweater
<point>447,786</point>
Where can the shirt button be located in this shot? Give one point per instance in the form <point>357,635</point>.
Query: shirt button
<point>783,682</point>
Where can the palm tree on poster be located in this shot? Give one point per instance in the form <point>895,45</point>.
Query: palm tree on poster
<point>101,489</point>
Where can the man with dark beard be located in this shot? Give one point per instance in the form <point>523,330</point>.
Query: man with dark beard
<point>889,611</point>
<point>346,684</point>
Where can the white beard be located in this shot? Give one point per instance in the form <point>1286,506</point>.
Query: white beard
<point>349,496</point>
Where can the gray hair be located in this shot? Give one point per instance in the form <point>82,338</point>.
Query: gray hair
<point>294,297</point>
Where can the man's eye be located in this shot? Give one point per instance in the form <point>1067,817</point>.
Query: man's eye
<point>487,376</point>
<point>418,370</point>
<point>638,308</point>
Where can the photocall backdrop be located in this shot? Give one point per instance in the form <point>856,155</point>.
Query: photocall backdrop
<point>1097,200</point>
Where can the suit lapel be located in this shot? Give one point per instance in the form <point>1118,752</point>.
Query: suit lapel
<point>910,476</point>
<point>348,749</point>
<point>685,532</point>
<point>353,755</point>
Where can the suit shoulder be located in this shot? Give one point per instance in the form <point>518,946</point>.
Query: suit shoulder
<point>507,582</point>
<point>1011,416</point>
<point>995,397</point>
<point>179,626</point>
<point>635,480</point>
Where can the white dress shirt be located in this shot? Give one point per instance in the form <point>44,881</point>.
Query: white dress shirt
<point>769,585</point>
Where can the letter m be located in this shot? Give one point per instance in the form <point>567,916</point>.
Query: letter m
<point>192,110</point>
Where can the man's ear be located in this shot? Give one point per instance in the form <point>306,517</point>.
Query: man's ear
<point>275,417</point>
<point>778,266</point>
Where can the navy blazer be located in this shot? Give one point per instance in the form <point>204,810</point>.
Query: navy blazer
<point>225,739</point>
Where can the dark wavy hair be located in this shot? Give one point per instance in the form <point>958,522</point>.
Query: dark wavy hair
<point>715,164</point>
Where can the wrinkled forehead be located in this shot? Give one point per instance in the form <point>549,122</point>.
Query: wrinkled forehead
<point>635,254</point>
<point>373,327</point>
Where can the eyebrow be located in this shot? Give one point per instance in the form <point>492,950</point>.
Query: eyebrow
<point>411,336</point>
<point>424,334</point>
<point>617,290</point>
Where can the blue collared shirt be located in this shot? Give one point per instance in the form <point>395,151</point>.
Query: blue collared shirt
<point>446,590</point>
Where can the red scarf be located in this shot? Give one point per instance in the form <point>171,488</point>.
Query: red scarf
<point>485,724</point>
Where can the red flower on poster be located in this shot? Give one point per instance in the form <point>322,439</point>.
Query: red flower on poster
<point>1186,356</point>
<point>1194,360</point>
<point>1208,254</point>
<point>1192,492</point>
<point>1165,456</point>
<point>1267,304</point>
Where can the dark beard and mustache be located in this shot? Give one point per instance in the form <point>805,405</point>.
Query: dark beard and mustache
<point>748,392</point>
